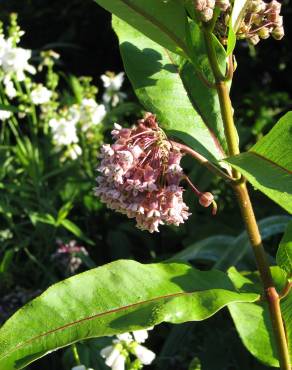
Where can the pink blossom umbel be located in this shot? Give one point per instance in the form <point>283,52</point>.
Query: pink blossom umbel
<point>141,174</point>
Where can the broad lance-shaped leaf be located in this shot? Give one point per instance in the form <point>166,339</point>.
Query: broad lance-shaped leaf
<point>252,320</point>
<point>165,22</point>
<point>185,107</point>
<point>284,254</point>
<point>115,298</point>
<point>268,164</point>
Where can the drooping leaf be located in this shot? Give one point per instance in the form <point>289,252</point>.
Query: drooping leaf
<point>170,88</point>
<point>268,164</point>
<point>252,320</point>
<point>165,22</point>
<point>240,245</point>
<point>284,254</point>
<point>211,248</point>
<point>115,298</point>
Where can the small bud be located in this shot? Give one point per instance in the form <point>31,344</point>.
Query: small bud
<point>275,6</point>
<point>223,4</point>
<point>254,39</point>
<point>207,14</point>
<point>206,199</point>
<point>200,5</point>
<point>278,33</point>
<point>264,33</point>
<point>256,6</point>
<point>211,4</point>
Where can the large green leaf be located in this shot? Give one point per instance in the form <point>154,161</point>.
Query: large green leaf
<point>252,320</point>
<point>165,22</point>
<point>171,88</point>
<point>115,298</point>
<point>268,164</point>
<point>284,254</point>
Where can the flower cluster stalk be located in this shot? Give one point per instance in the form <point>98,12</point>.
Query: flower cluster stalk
<point>246,209</point>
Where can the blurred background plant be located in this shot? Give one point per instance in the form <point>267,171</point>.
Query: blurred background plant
<point>52,123</point>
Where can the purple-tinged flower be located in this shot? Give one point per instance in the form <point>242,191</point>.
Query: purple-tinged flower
<point>141,174</point>
<point>69,255</point>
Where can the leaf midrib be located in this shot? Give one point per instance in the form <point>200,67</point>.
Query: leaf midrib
<point>156,23</point>
<point>101,314</point>
<point>268,160</point>
<point>196,107</point>
<point>88,318</point>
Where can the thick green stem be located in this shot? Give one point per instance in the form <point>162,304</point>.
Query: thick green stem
<point>247,212</point>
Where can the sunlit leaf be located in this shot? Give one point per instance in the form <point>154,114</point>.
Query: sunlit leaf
<point>119,297</point>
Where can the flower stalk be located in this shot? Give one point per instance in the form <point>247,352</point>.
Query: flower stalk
<point>246,209</point>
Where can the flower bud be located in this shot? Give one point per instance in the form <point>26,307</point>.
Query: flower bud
<point>278,33</point>
<point>206,199</point>
<point>207,14</point>
<point>254,39</point>
<point>211,4</point>
<point>200,5</point>
<point>223,4</point>
<point>256,6</point>
<point>264,33</point>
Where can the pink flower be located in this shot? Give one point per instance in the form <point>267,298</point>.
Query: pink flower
<point>141,174</point>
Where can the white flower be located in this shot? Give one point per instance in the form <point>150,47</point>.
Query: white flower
<point>9,88</point>
<point>91,112</point>
<point>74,152</point>
<point>64,131</point>
<point>112,84</point>
<point>4,44</point>
<point>4,114</point>
<point>15,60</point>
<point>40,95</point>
<point>140,335</point>
<point>144,354</point>
<point>112,81</point>
<point>113,357</point>
<point>79,367</point>
<point>127,337</point>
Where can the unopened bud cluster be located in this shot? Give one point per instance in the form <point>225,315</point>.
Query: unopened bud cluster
<point>141,174</point>
<point>206,8</point>
<point>262,20</point>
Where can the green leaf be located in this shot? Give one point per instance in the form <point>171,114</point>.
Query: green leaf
<point>238,12</point>
<point>170,88</point>
<point>74,229</point>
<point>44,218</point>
<point>6,261</point>
<point>240,245</point>
<point>165,22</point>
<point>119,297</point>
<point>268,164</point>
<point>211,248</point>
<point>284,254</point>
<point>252,320</point>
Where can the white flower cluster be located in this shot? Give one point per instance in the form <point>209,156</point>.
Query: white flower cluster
<point>112,84</point>
<point>125,345</point>
<point>14,60</point>
<point>14,63</point>
<point>67,123</point>
<point>64,129</point>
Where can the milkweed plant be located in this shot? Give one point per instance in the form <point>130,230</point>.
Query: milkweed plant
<point>179,56</point>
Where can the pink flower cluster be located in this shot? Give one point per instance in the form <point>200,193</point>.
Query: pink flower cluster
<point>140,175</point>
